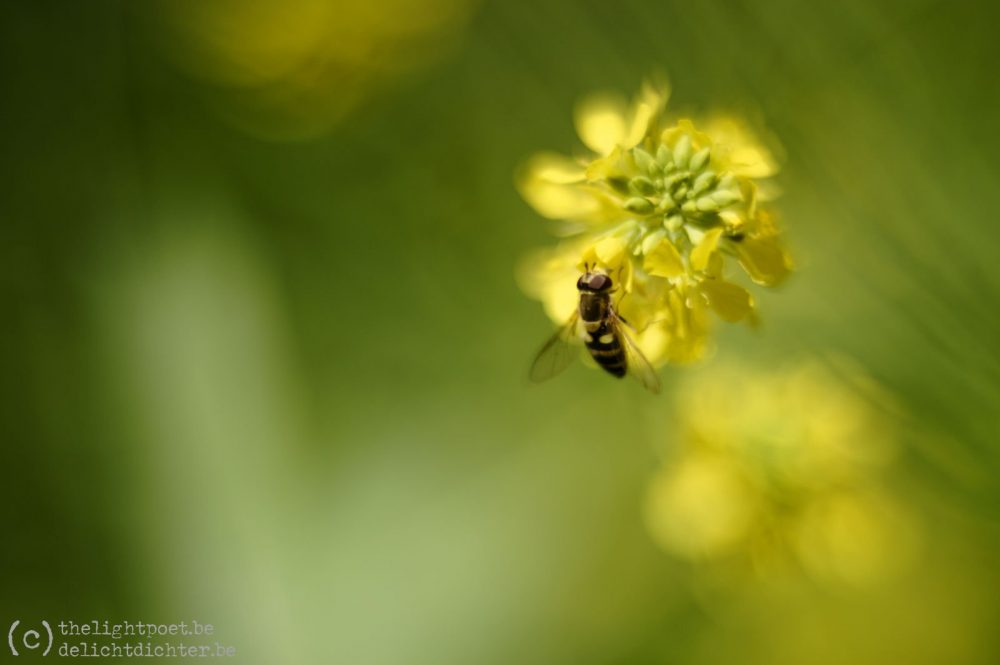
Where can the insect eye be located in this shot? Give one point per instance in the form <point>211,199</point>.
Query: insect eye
<point>600,282</point>
<point>582,283</point>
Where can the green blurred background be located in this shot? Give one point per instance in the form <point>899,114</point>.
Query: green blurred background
<point>264,356</point>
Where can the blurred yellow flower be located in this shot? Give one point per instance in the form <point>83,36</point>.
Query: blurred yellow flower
<point>662,207</point>
<point>294,68</point>
<point>777,468</point>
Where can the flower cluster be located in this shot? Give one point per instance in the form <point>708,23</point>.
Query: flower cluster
<point>782,468</point>
<point>662,208</point>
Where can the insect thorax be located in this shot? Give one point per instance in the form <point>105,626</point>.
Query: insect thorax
<point>594,307</point>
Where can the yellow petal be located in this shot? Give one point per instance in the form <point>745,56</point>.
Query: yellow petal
<point>555,168</point>
<point>646,303</point>
<point>559,300</point>
<point>701,254</point>
<point>687,329</point>
<point>742,152</point>
<point>715,265</point>
<point>664,261</point>
<point>606,167</point>
<point>653,342</point>
<point>684,126</point>
<point>731,302</point>
<point>550,276</point>
<point>647,107</point>
<point>600,122</point>
<point>640,122</point>
<point>551,184</point>
<point>752,162</point>
<point>764,259</point>
<point>558,201</point>
<point>625,275</point>
<point>610,251</point>
<point>731,218</point>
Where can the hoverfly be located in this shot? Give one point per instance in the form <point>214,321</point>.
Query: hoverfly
<point>602,330</point>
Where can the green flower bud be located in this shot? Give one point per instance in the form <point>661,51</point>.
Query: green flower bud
<point>644,161</point>
<point>666,202</point>
<point>673,179</point>
<point>682,152</point>
<point>700,159</point>
<point>619,184</point>
<point>702,182</point>
<point>663,156</point>
<point>674,222</point>
<point>724,197</point>
<point>639,205</point>
<point>642,185</point>
<point>708,204</point>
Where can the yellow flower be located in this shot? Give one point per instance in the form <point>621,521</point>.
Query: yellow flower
<point>664,207</point>
<point>777,468</point>
<point>292,69</point>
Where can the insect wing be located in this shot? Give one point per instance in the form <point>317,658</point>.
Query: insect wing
<point>638,367</point>
<point>558,353</point>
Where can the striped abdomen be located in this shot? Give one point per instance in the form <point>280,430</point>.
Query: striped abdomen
<point>602,341</point>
